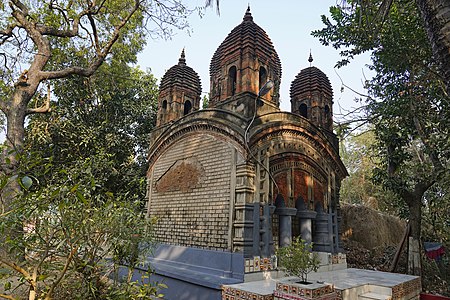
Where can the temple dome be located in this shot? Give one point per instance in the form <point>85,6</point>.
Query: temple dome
<point>179,92</point>
<point>181,76</point>
<point>312,97</point>
<point>248,47</point>
<point>309,80</point>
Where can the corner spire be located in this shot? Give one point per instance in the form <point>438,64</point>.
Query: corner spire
<point>182,60</point>
<point>310,59</point>
<point>248,15</point>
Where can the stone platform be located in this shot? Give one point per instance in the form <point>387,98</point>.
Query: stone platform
<point>347,284</point>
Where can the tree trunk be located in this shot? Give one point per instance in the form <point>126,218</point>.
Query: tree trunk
<point>436,16</point>
<point>15,134</point>
<point>15,117</point>
<point>415,220</point>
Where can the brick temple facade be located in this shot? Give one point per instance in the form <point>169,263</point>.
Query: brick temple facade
<point>237,180</point>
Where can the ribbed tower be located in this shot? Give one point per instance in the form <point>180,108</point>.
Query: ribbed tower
<point>179,92</point>
<point>244,61</point>
<point>312,96</point>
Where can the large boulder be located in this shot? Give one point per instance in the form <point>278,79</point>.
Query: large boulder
<point>370,228</point>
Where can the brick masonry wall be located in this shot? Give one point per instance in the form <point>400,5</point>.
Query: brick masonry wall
<point>190,192</point>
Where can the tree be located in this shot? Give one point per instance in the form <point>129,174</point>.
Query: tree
<point>436,17</point>
<point>47,40</point>
<point>86,162</point>
<point>359,157</point>
<point>107,116</point>
<point>408,104</point>
<point>205,102</point>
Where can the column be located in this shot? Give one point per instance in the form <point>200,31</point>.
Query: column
<point>305,217</point>
<point>285,221</point>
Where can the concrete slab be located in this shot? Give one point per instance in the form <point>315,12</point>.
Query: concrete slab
<point>349,283</point>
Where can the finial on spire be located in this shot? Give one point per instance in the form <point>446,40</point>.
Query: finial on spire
<point>310,59</point>
<point>248,15</point>
<point>182,60</point>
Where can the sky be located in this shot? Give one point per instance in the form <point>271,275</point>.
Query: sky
<point>287,23</point>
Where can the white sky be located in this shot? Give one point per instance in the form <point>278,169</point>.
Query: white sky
<point>288,24</point>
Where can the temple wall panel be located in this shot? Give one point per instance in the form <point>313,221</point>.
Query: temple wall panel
<point>301,184</point>
<point>190,192</point>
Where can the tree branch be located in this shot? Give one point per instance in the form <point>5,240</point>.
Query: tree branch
<point>7,297</point>
<point>20,13</point>
<point>7,33</point>
<point>20,270</point>
<point>49,30</point>
<point>98,59</point>
<point>15,267</point>
<point>19,5</point>
<point>95,34</point>
<point>62,274</point>
<point>354,91</point>
<point>44,108</point>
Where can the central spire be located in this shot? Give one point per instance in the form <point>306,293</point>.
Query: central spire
<point>248,15</point>
<point>243,63</point>
<point>182,60</point>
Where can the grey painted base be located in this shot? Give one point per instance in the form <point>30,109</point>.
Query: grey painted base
<point>192,273</point>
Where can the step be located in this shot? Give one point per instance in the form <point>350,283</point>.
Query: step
<point>374,296</point>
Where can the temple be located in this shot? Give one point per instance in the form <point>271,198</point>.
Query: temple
<point>231,183</point>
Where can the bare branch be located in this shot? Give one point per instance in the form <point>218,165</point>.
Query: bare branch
<point>70,32</point>
<point>52,5</point>
<point>354,91</point>
<point>95,34</point>
<point>99,7</point>
<point>96,61</point>
<point>7,33</point>
<point>7,297</point>
<point>210,3</point>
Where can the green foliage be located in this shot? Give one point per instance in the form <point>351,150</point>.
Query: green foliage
<point>297,259</point>
<point>407,106</point>
<point>83,177</point>
<point>205,102</point>
<point>138,290</point>
<point>359,156</point>
<point>436,212</point>
<point>70,229</point>
<point>106,119</point>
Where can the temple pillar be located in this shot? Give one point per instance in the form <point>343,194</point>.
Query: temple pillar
<point>305,217</point>
<point>321,239</point>
<point>285,221</point>
<point>266,230</point>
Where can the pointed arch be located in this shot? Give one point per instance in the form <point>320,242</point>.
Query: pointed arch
<point>187,107</point>
<point>303,110</point>
<point>262,77</point>
<point>232,78</point>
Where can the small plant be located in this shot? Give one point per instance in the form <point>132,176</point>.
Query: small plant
<point>297,259</point>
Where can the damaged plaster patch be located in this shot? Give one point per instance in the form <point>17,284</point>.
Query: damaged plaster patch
<point>184,175</point>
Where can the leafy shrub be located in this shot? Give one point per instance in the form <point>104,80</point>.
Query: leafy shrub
<point>297,259</point>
